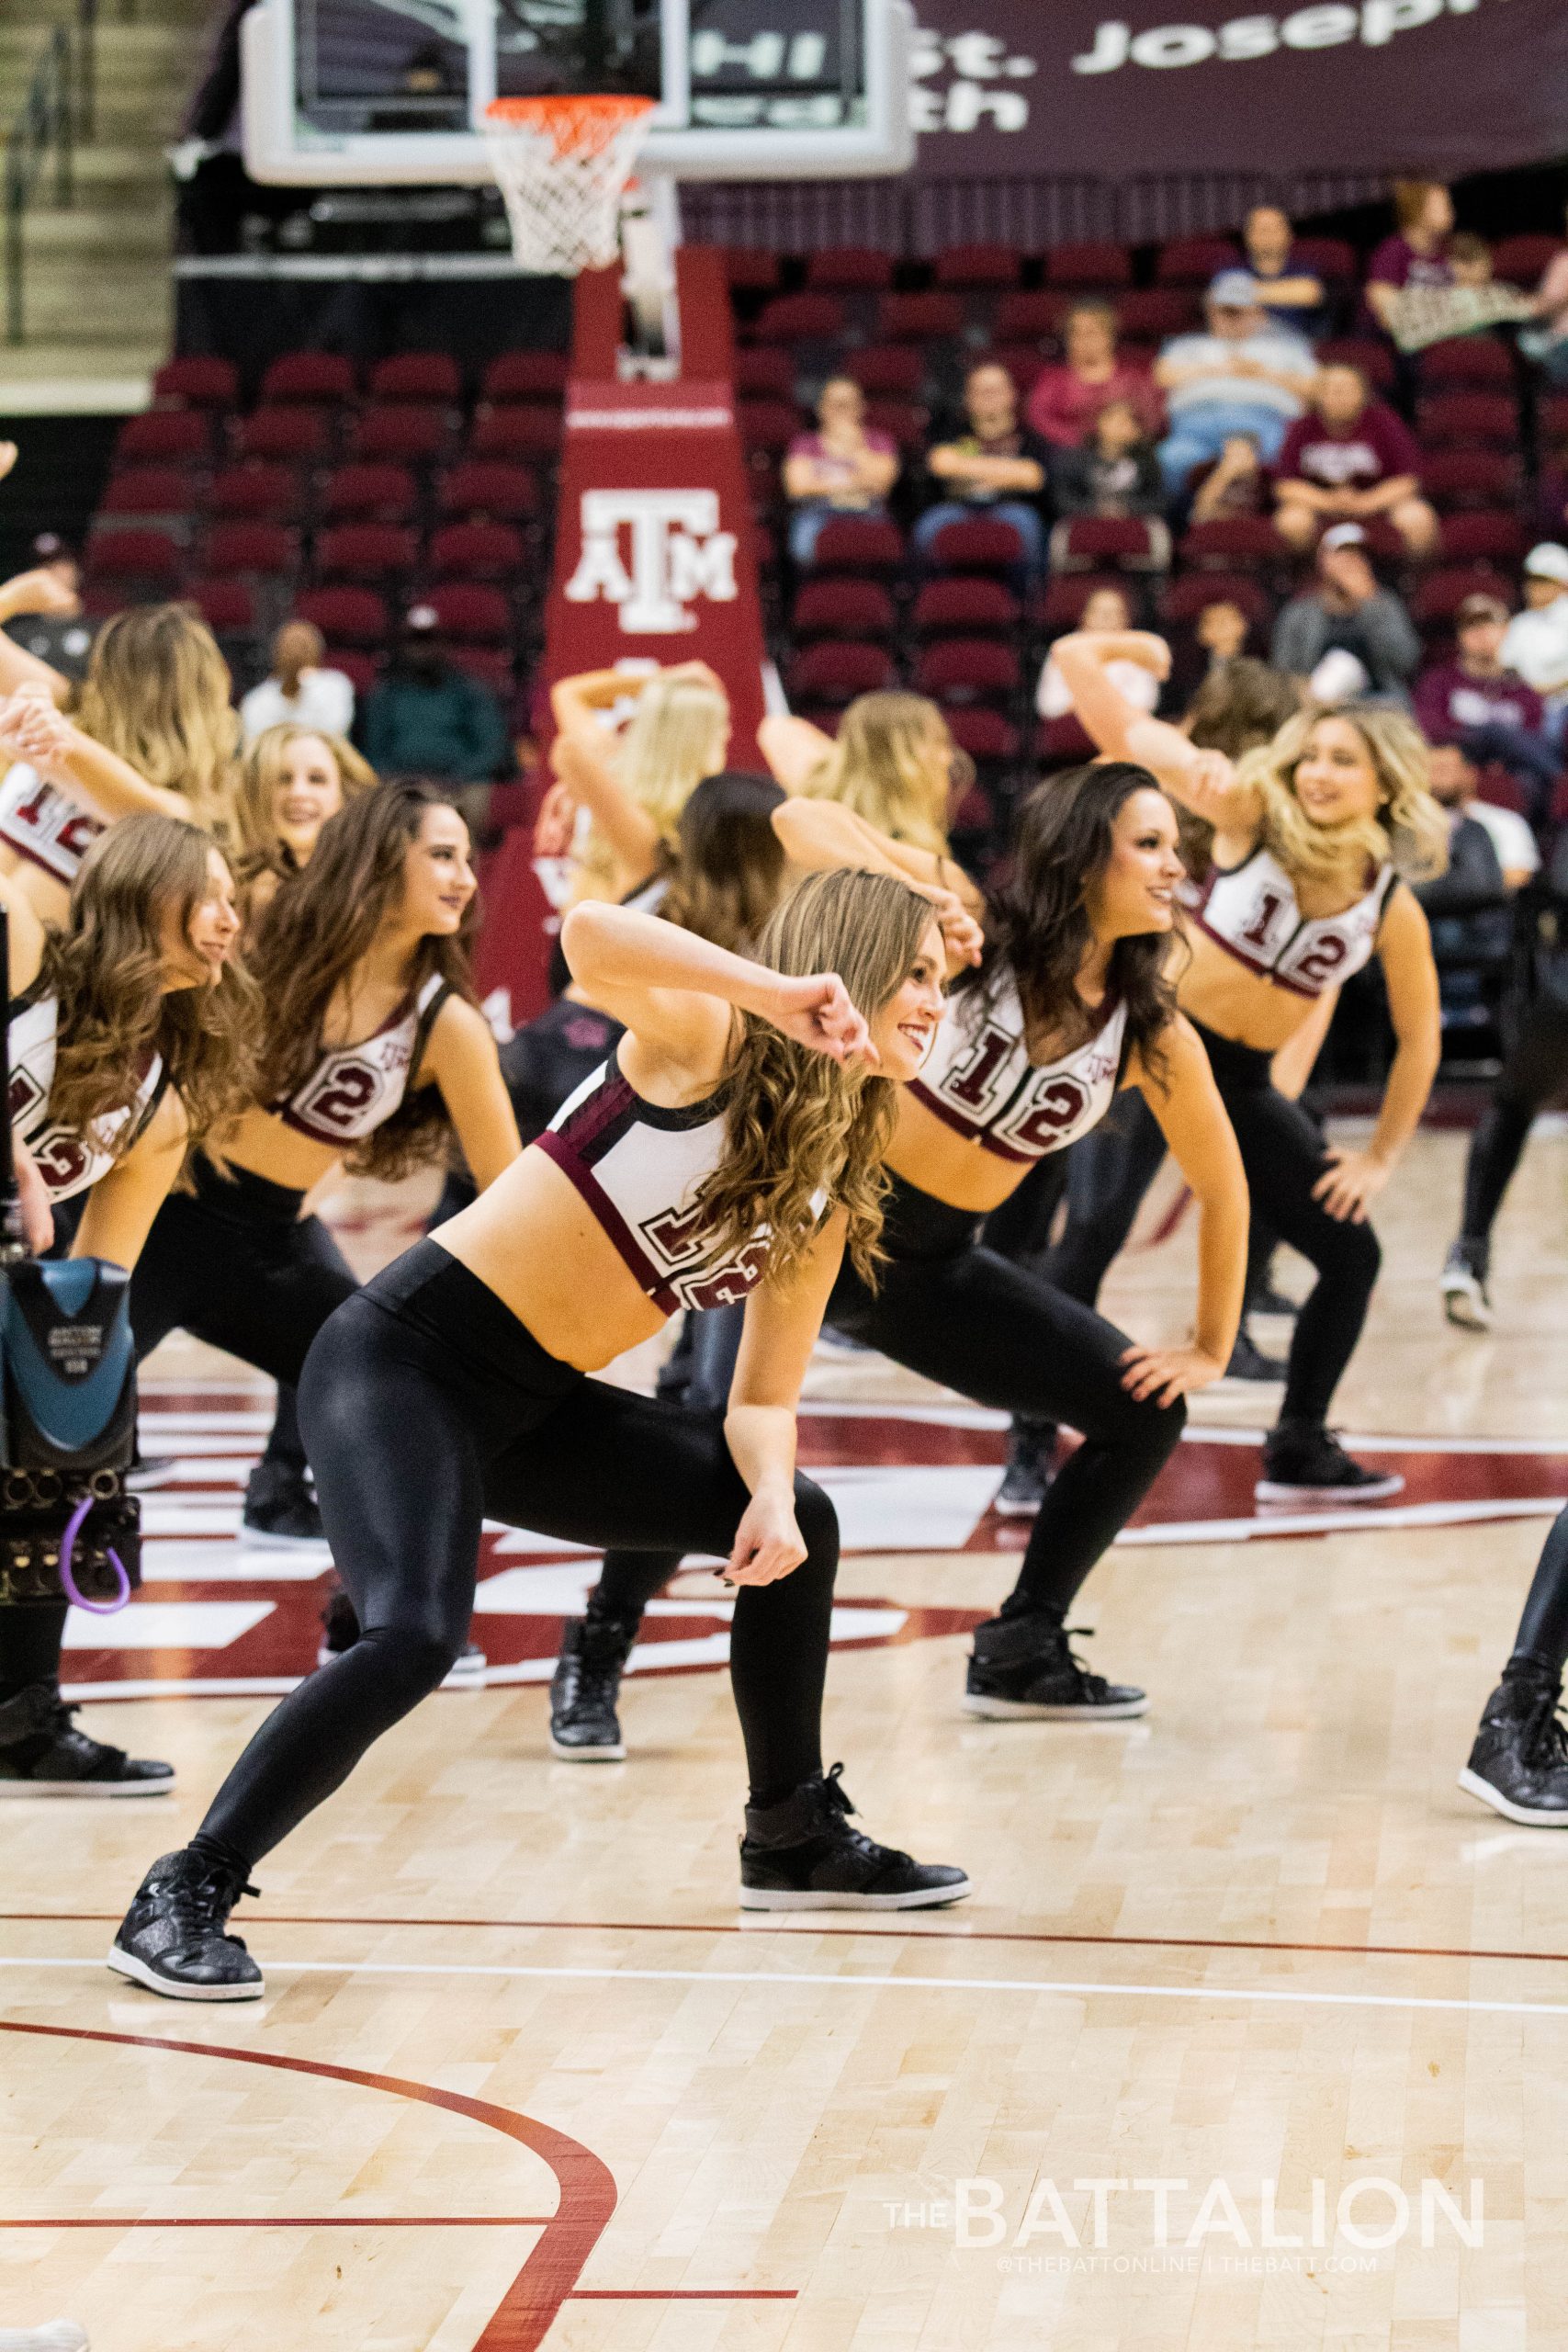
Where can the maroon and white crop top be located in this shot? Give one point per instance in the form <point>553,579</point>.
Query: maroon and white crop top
<point>638,1167</point>
<point>44,825</point>
<point>1252,912</point>
<point>979,1079</point>
<point>68,1160</point>
<point>354,1090</point>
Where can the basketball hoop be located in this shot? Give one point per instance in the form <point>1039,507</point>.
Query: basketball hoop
<point>562,164</point>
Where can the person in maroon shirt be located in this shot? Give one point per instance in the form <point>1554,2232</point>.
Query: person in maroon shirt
<point>1417,252</point>
<point>1065,400</point>
<point>1488,710</point>
<point>1348,459</point>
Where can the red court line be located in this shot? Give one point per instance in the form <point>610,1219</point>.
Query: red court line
<point>862,1928</point>
<point>532,2304</point>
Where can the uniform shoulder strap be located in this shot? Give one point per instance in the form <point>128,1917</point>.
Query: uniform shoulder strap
<point>427,1007</point>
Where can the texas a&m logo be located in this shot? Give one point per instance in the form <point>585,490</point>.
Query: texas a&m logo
<point>651,553</point>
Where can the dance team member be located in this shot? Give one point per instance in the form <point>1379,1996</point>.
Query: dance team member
<point>151,728</point>
<point>1518,1764</point>
<point>128,1041</point>
<point>372,1047</point>
<point>1071,999</point>
<point>634,785</point>
<point>731,1147</point>
<point>1311,837</point>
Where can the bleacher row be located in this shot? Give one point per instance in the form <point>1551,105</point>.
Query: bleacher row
<point>341,494</point>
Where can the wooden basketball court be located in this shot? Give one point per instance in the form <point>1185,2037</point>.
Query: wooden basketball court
<point>524,2075</point>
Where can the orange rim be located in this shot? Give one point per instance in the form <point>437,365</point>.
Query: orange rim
<point>581,125</point>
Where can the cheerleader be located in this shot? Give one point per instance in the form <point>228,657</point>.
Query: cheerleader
<point>128,1041</point>
<point>893,763</point>
<point>1310,836</point>
<point>632,785</point>
<point>1518,1764</point>
<point>1067,999</point>
<point>373,1046</point>
<point>151,728</point>
<point>730,1149</point>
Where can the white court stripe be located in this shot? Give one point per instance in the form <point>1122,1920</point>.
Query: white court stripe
<point>1399,2001</point>
<point>1361,1518</point>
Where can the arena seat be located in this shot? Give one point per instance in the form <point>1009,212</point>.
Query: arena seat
<point>866,543</point>
<point>959,604</point>
<point>417,376</point>
<point>369,493</point>
<point>165,437</point>
<point>1477,361</point>
<point>1193,261</point>
<point>853,609</point>
<point>487,492</point>
<point>377,553</point>
<point>968,670</point>
<point>1089,265</point>
<point>208,383</point>
<point>985,544</point>
<point>348,617</point>
<point>487,552</point>
<point>259,493</point>
<point>849,269</point>
<point>525,375</point>
<point>1125,541</point>
<point>313,376</point>
<point>833,674</point>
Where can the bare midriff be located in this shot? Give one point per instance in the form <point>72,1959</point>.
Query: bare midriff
<point>265,1146</point>
<point>1218,991</point>
<point>532,1239</point>
<point>958,1170</point>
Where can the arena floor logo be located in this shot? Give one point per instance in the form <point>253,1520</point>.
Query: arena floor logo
<point>217,1619</point>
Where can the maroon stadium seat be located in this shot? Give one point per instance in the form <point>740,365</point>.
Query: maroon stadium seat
<point>986,544</point>
<point>1089,264</point>
<point>376,553</point>
<point>849,269</point>
<point>197,383</point>
<point>165,436</point>
<point>764,372</point>
<point>1022,361</point>
<point>380,493</point>
<point>961,269</point>
<point>265,550</point>
<point>1123,540</point>
<point>145,491</point>
<point>800,318</point>
<point>526,376</point>
<point>1150,313</point>
<point>226,605</point>
<point>768,425</point>
<point>892,369</point>
<point>1030,314</point>
<point>904,422</point>
<point>983,733</point>
<point>832,673</point>
<point>847,608</point>
<point>287,436</point>
<point>1235,543</point>
<point>417,376</point>
<point>1439,596</point>
<point>1059,603</point>
<point>529,430</point>
<point>750,269</point>
<point>1193,261</point>
<point>256,494</point>
<point>1467,421</point>
<point>1329,258</point>
<point>1485,537</point>
<point>309,376</point>
<point>1454,479</point>
<point>1521,260</point>
<point>968,670</point>
<point>1063,743</point>
<point>1478,361</point>
<point>1183,599</point>
<point>919,318</point>
<point>411,433</point>
<point>961,606</point>
<point>1366,352</point>
<point>347,616</point>
<point>149,560</point>
<point>858,543</point>
<point>476,551</point>
<point>471,615</point>
<point>489,491</point>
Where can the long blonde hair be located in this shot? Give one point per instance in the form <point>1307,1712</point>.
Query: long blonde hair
<point>257,847</point>
<point>799,1125</point>
<point>157,692</point>
<point>677,735</point>
<point>1410,827</point>
<point>892,764</point>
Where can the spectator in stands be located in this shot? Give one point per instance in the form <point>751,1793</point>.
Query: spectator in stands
<point>430,718</point>
<point>1345,632</point>
<point>1115,474</point>
<point>1549,342</point>
<point>1469,259</point>
<point>1205,653</point>
<point>1243,375</point>
<point>1475,702</point>
<point>1417,252</point>
<point>993,465</point>
<point>53,625</point>
<point>1292,296</point>
<point>298,692</point>
<point>1234,485</point>
<point>1455,781</point>
<point>841,468</point>
<point>1349,459</point>
<point>1106,613</point>
<point>1065,400</point>
<point>1535,641</point>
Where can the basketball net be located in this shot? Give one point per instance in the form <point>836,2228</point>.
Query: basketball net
<point>562,164</point>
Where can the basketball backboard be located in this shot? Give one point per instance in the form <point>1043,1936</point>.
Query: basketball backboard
<point>353,92</point>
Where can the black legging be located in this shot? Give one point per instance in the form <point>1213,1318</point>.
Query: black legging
<point>235,1264</point>
<point>696,1378</point>
<point>955,1310</point>
<point>427,1407</point>
<point>1536,1069</point>
<point>1542,1637</point>
<point>1283,1154</point>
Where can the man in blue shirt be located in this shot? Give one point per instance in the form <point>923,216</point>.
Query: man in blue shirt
<point>1243,375</point>
<point>1291,295</point>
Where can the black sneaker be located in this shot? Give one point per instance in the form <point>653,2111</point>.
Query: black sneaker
<point>802,1855</point>
<point>1023,1666</point>
<point>1465,1299</point>
<point>1267,1300</point>
<point>173,1939</point>
<point>42,1754</point>
<point>1304,1463</point>
<point>340,1630</point>
<point>584,1727</point>
<point>280,1506</point>
<point>149,1471</point>
<point>1249,1362</point>
<point>1031,1446</point>
<point>1520,1762</point>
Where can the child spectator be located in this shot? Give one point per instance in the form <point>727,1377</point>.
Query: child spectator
<point>1106,613</point>
<point>1417,252</point>
<point>1065,400</point>
<point>1292,297</point>
<point>1243,375</point>
<point>1535,641</point>
<point>1349,459</point>
<point>1116,474</point>
<point>1234,486</point>
<point>1469,259</point>
<point>994,465</point>
<point>841,468</point>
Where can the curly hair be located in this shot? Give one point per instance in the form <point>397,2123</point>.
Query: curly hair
<point>106,969</point>
<point>1410,827</point>
<point>799,1125</point>
<point>728,867</point>
<point>1038,928</point>
<point>258,850</point>
<point>323,921</point>
<point>157,692</point>
<point>895,763</point>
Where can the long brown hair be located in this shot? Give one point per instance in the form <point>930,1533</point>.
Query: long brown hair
<point>728,868</point>
<point>799,1125</point>
<point>106,971</point>
<point>1039,928</point>
<point>323,921</point>
<point>157,691</point>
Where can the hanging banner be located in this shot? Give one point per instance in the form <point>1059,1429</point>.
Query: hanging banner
<point>1117,89</point>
